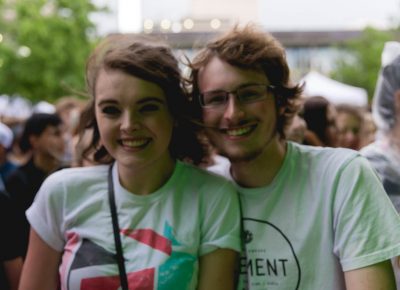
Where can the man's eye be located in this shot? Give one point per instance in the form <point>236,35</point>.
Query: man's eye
<point>215,99</point>
<point>149,108</point>
<point>110,110</point>
<point>250,94</point>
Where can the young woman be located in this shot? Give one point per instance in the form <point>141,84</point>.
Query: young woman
<point>145,219</point>
<point>320,117</point>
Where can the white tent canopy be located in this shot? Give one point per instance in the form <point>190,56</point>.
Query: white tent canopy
<point>336,92</point>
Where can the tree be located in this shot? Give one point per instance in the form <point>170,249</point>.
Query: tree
<point>45,46</point>
<point>362,60</point>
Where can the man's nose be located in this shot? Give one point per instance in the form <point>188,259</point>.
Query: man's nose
<point>233,110</point>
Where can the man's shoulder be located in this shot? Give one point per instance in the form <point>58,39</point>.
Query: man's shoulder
<point>322,153</point>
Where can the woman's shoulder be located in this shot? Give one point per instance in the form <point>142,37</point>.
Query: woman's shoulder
<point>202,173</point>
<point>79,174</point>
<point>204,181</point>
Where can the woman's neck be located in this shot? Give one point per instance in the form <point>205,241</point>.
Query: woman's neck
<point>146,179</point>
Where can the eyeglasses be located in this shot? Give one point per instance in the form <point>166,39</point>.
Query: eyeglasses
<point>246,94</point>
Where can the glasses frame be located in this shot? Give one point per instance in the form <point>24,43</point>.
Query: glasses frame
<point>268,88</point>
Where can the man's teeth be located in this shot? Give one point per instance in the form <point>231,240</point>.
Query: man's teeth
<point>239,131</point>
<point>134,143</point>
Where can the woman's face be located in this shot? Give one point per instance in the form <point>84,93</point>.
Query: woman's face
<point>133,118</point>
<point>331,130</point>
<point>349,130</point>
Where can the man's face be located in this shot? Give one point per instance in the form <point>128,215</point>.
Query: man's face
<point>241,132</point>
<point>51,143</point>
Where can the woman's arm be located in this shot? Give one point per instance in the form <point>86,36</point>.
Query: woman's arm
<point>217,270</point>
<point>40,270</point>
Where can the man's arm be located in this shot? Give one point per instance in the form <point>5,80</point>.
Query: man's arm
<point>375,277</point>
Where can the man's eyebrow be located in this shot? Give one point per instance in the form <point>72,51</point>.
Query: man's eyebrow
<point>248,84</point>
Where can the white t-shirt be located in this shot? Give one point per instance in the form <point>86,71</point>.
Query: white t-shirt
<point>163,234</point>
<point>324,213</point>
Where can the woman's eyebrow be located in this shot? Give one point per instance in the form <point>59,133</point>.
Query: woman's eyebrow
<point>150,99</point>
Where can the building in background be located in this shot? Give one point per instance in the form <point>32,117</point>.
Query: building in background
<point>187,24</point>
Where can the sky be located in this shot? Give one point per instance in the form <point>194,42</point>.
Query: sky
<point>328,14</point>
<point>275,15</point>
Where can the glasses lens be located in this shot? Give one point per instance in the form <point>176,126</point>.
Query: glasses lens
<point>213,99</point>
<point>251,93</point>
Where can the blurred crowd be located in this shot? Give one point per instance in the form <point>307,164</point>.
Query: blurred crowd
<point>32,148</point>
<point>373,130</point>
<point>321,123</point>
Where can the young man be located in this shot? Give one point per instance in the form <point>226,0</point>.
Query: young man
<point>314,218</point>
<point>42,137</point>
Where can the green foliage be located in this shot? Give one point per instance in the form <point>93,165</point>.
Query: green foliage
<point>44,47</point>
<point>362,60</point>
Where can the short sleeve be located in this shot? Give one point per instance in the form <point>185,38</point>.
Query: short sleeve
<point>45,215</point>
<point>366,225</point>
<point>220,219</point>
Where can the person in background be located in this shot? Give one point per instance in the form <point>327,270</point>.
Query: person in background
<point>6,166</point>
<point>42,138</point>
<point>384,152</point>
<point>10,257</point>
<point>144,219</point>
<point>368,129</point>
<point>349,121</point>
<point>70,108</point>
<point>10,260</point>
<point>297,130</point>
<point>320,117</point>
<point>79,145</point>
<point>314,217</point>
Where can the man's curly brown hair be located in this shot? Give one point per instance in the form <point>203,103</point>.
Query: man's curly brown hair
<point>253,49</point>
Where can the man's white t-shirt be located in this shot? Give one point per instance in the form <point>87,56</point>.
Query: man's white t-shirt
<point>324,213</point>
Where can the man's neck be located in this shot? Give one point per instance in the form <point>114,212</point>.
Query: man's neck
<point>261,170</point>
<point>46,164</point>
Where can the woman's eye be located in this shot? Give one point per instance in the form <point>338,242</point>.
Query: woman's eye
<point>149,108</point>
<point>110,110</point>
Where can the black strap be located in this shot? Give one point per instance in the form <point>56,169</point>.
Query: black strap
<point>117,238</point>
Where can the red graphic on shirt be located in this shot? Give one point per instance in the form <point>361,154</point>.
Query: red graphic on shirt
<point>69,249</point>
<point>140,280</point>
<point>84,253</point>
<point>150,238</point>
